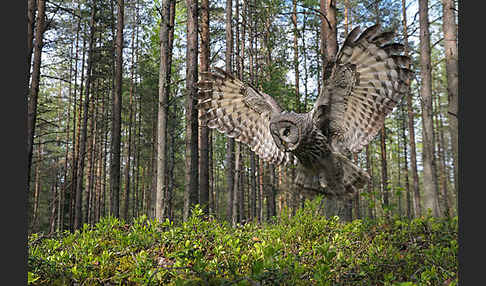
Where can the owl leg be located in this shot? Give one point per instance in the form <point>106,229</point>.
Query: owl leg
<point>307,182</point>
<point>354,178</point>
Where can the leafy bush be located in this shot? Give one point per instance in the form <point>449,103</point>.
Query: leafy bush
<point>305,249</point>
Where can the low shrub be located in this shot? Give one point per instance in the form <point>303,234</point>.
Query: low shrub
<point>305,249</point>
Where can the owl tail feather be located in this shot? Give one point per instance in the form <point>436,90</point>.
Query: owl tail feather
<point>317,181</point>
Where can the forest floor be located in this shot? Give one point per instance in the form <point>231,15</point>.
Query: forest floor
<point>305,249</point>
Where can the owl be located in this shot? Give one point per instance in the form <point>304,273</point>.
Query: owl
<point>361,86</point>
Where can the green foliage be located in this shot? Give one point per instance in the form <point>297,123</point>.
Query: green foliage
<point>306,249</point>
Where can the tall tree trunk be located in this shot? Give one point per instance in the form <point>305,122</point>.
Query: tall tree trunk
<point>91,152</point>
<point>230,152</point>
<point>34,85</point>
<point>444,196</point>
<point>164,86</point>
<point>405,167</point>
<point>170,168</point>
<point>105,155</point>
<point>411,128</point>
<point>130,120</point>
<point>204,130</point>
<point>84,128</point>
<point>328,41</point>
<point>234,208</point>
<point>191,190</point>
<point>53,205</point>
<point>429,163</point>
<point>62,191</point>
<point>37,190</point>
<point>260,191</point>
<point>296,57</point>
<point>451,53</point>
<point>371,200</point>
<point>76,119</point>
<point>116,112</point>
<point>384,169</point>
<point>31,9</point>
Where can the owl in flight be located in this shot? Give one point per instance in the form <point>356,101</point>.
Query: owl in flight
<point>361,87</point>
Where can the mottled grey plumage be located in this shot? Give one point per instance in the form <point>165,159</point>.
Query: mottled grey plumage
<point>361,86</point>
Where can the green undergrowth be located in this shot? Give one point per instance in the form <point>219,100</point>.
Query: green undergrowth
<point>305,249</point>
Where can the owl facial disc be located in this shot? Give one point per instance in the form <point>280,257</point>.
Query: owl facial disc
<point>285,134</point>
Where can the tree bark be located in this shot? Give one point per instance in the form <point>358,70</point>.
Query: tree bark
<point>405,167</point>
<point>130,121</point>
<point>230,148</point>
<point>384,169</point>
<point>164,71</point>
<point>204,130</point>
<point>234,215</point>
<point>31,9</point>
<point>34,86</point>
<point>84,128</point>
<point>370,183</point>
<point>429,163</point>
<point>411,128</point>
<point>328,40</point>
<point>296,57</point>
<point>37,190</point>
<point>451,53</point>
<point>444,196</point>
<point>191,190</point>
<point>116,113</point>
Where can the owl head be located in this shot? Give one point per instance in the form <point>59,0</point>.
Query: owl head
<point>286,130</point>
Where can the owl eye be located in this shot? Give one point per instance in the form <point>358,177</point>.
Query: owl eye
<point>286,131</point>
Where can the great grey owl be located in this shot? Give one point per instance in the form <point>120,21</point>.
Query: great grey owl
<point>361,86</point>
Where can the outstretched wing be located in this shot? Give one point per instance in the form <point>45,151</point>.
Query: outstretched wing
<point>361,87</point>
<point>241,112</point>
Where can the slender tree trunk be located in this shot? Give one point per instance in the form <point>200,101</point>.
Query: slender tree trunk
<point>84,128</point>
<point>116,113</point>
<point>164,70</point>
<point>296,57</point>
<point>62,191</point>
<point>204,130</point>
<point>76,119</point>
<point>411,128</point>
<point>429,163</point>
<point>451,53</point>
<point>170,168</point>
<point>405,167</point>
<point>37,190</point>
<point>53,205</point>
<point>31,9</point>
<point>34,85</point>
<point>234,215</point>
<point>260,191</point>
<point>328,41</point>
<point>130,123</point>
<point>191,190</point>
<point>370,183</point>
<point>444,201</point>
<point>105,155</point>
<point>384,169</point>
<point>91,153</point>
<point>230,152</point>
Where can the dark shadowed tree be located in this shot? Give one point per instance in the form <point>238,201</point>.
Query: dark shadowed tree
<point>203,130</point>
<point>191,190</point>
<point>164,71</point>
<point>116,113</point>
